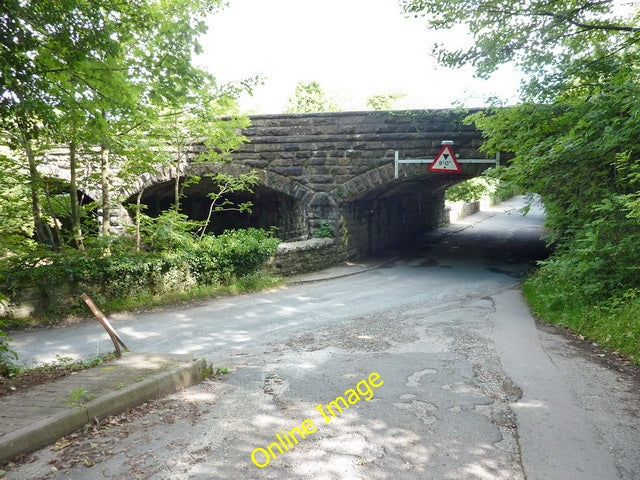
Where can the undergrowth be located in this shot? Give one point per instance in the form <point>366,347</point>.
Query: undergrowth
<point>251,282</point>
<point>613,323</point>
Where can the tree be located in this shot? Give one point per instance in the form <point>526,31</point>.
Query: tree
<point>91,74</point>
<point>548,40</point>
<point>575,137</point>
<point>214,123</point>
<point>310,98</point>
<point>16,221</point>
<point>47,46</point>
<point>384,101</point>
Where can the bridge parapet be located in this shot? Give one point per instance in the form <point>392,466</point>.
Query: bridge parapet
<point>326,150</point>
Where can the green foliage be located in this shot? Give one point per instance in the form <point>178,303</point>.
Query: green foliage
<point>168,231</point>
<point>545,39</point>
<point>325,230</point>
<point>16,224</point>
<point>384,101</point>
<point>226,184</point>
<point>310,98</point>
<point>78,397</point>
<point>575,143</point>
<point>235,252</point>
<point>614,323</point>
<point>8,368</point>
<point>583,158</point>
<point>176,265</point>
<point>470,190</point>
<point>100,79</point>
<point>253,282</point>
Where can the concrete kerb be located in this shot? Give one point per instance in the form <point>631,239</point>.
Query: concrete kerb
<point>345,270</point>
<point>39,434</point>
<point>48,430</point>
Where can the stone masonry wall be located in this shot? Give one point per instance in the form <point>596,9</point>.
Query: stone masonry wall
<point>326,150</point>
<point>306,256</point>
<point>373,225</point>
<point>322,160</point>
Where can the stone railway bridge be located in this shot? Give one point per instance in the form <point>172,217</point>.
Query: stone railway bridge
<point>336,168</point>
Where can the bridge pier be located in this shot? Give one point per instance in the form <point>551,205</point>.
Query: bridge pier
<point>322,208</point>
<point>371,225</point>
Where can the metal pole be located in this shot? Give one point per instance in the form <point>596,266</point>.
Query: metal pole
<point>395,170</point>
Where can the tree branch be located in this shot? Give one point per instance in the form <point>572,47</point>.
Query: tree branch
<point>566,18</point>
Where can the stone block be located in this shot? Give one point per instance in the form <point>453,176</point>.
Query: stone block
<point>288,171</point>
<point>320,179</point>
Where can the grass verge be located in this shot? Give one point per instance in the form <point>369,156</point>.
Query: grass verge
<point>252,282</point>
<point>614,325</point>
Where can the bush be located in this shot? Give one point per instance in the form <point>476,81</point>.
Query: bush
<point>613,323</point>
<point>472,189</point>
<point>324,231</point>
<point>241,252</point>
<point>592,282</point>
<point>214,259</point>
<point>7,356</point>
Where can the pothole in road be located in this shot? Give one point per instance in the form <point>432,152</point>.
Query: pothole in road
<point>275,386</point>
<point>422,410</point>
<point>487,367</point>
<point>414,378</point>
<point>375,333</point>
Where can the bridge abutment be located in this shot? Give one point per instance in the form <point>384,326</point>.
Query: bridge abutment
<point>372,225</point>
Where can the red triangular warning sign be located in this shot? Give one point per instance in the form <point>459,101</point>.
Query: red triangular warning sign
<point>445,161</point>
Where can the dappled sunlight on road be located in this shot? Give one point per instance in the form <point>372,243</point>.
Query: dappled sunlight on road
<point>306,366</point>
<point>139,335</point>
<point>486,470</point>
<point>530,404</point>
<point>194,396</point>
<point>206,344</point>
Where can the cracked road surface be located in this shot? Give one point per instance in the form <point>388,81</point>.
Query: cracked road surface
<point>472,389</point>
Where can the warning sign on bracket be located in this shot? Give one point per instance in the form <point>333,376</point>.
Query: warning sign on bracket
<point>445,161</point>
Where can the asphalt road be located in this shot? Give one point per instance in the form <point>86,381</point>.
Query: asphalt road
<point>442,371</point>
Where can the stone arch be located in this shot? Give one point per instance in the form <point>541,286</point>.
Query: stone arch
<point>278,201</point>
<point>367,181</point>
<point>268,179</point>
<point>379,211</point>
<point>380,178</point>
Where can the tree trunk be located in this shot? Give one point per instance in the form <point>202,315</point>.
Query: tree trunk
<point>73,195</point>
<point>138,207</point>
<point>176,191</point>
<point>34,184</point>
<point>58,242</point>
<point>105,183</point>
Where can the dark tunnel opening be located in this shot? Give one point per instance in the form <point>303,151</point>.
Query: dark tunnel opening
<point>395,216</point>
<point>270,208</point>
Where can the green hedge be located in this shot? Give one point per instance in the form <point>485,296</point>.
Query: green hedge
<point>212,260</point>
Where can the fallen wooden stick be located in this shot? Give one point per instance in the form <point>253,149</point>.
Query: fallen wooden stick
<point>115,338</point>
